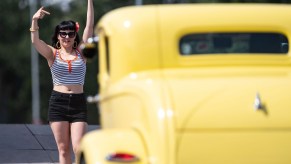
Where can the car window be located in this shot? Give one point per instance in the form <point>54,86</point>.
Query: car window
<point>213,43</point>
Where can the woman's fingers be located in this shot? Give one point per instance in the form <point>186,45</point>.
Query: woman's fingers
<point>42,13</point>
<point>46,12</point>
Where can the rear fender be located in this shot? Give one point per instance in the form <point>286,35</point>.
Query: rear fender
<point>98,145</point>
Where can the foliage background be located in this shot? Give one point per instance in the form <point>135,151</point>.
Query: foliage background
<point>15,55</point>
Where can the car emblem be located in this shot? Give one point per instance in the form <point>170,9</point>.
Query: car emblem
<point>258,105</point>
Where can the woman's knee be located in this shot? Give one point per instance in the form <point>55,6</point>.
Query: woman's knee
<point>64,149</point>
<point>76,148</point>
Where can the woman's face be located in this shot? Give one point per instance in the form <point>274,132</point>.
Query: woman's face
<point>67,38</point>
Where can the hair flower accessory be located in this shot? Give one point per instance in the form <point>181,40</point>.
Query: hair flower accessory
<point>77,26</point>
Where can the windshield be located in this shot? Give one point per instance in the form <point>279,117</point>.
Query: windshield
<point>214,43</point>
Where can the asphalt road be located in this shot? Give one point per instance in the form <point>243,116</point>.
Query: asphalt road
<point>28,144</point>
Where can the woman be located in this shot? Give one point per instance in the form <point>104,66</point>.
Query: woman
<point>67,106</point>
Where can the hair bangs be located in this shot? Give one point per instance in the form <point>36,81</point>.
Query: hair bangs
<point>67,25</point>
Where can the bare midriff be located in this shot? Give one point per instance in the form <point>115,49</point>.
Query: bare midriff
<point>68,88</point>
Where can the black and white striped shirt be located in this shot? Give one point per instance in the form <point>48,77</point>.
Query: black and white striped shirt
<point>68,71</point>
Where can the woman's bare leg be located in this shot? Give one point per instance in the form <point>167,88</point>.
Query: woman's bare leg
<point>78,129</point>
<point>61,131</point>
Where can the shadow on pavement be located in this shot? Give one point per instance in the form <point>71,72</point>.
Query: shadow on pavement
<point>27,143</point>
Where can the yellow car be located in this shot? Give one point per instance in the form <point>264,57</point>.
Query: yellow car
<point>193,84</point>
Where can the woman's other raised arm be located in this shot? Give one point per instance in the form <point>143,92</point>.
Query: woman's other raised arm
<point>88,31</point>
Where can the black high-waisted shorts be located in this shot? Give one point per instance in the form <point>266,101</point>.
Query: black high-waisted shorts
<point>67,107</point>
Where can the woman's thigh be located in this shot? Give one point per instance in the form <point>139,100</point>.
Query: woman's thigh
<point>61,131</point>
<point>78,129</point>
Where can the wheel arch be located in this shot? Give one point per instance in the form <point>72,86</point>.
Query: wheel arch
<point>97,145</point>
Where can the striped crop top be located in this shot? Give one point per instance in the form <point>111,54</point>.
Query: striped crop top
<point>68,71</point>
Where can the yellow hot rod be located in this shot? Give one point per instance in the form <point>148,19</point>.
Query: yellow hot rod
<point>193,84</point>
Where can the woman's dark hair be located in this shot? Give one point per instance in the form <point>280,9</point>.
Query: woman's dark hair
<point>64,25</point>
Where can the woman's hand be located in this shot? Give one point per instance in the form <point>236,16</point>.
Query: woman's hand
<point>40,14</point>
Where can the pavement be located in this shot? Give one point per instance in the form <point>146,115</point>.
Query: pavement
<point>29,144</point>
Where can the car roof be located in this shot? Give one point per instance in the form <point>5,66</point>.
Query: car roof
<point>146,37</point>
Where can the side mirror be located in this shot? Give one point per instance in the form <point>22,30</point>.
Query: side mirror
<point>90,49</point>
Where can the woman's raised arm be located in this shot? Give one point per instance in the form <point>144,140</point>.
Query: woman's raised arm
<point>43,48</point>
<point>88,31</point>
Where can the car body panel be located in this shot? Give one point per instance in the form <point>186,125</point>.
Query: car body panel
<point>225,97</point>
<point>181,109</point>
<point>123,29</point>
<point>221,121</point>
<point>132,99</point>
<point>235,146</point>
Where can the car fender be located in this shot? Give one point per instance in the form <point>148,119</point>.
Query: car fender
<point>98,145</point>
